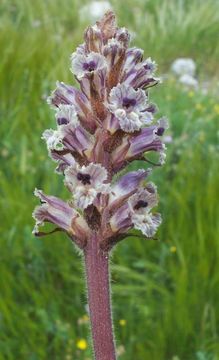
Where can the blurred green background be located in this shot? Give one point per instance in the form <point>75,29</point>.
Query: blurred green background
<point>165,293</point>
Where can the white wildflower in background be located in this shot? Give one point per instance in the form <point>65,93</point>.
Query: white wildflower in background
<point>94,10</point>
<point>189,81</point>
<point>183,66</point>
<point>184,69</point>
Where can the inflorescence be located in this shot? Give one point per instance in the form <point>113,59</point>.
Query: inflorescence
<point>101,128</point>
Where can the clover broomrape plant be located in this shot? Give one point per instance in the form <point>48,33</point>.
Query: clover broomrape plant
<point>102,127</point>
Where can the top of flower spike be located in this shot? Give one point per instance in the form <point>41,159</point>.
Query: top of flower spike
<point>113,76</point>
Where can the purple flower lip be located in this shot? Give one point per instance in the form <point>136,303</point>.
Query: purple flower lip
<point>62,121</point>
<point>84,178</point>
<point>127,103</point>
<point>90,66</point>
<point>141,204</point>
<point>160,131</point>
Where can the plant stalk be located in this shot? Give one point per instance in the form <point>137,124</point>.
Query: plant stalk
<point>98,288</point>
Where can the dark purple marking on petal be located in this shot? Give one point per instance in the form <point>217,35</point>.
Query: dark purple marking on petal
<point>84,178</point>
<point>90,66</point>
<point>141,204</point>
<point>152,108</point>
<point>62,121</point>
<point>160,131</point>
<point>127,103</point>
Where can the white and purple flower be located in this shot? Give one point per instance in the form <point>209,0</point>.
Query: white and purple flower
<point>59,213</point>
<point>82,65</point>
<point>130,107</point>
<point>136,213</point>
<point>140,206</point>
<point>85,183</point>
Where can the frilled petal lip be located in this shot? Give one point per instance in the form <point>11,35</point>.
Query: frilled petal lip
<point>140,206</point>
<point>146,196</point>
<point>130,107</point>
<point>65,114</point>
<point>147,224</point>
<point>121,92</point>
<point>82,65</point>
<point>86,182</point>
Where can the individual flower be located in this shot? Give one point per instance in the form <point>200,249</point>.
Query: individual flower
<point>122,35</point>
<point>85,183</point>
<point>173,249</point>
<point>130,107</point>
<point>63,158</point>
<point>148,140</point>
<point>66,117</point>
<point>121,220</point>
<point>133,56</point>
<point>69,135</point>
<point>68,95</point>
<point>112,51</point>
<point>136,212</point>
<point>138,73</point>
<point>140,206</point>
<point>59,213</point>
<point>93,40</point>
<point>81,344</point>
<point>53,139</point>
<point>134,146</point>
<point>82,65</point>
<point>90,70</point>
<point>65,114</point>
<point>126,185</point>
<point>122,322</point>
<point>183,66</point>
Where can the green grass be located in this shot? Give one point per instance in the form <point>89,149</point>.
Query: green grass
<point>168,299</point>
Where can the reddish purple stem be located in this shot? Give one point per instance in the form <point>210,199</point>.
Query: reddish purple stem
<point>98,286</point>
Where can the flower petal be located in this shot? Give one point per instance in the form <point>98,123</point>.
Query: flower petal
<point>121,221</point>
<point>55,211</point>
<point>82,65</point>
<point>61,214</point>
<point>129,182</point>
<point>68,95</point>
<point>130,107</point>
<point>66,114</point>
<point>86,182</point>
<point>140,205</point>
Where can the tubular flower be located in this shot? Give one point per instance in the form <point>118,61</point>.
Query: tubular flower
<point>130,107</point>
<point>83,65</point>
<point>101,127</point>
<point>86,182</point>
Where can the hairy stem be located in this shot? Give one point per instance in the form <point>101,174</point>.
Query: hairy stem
<point>98,286</point>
